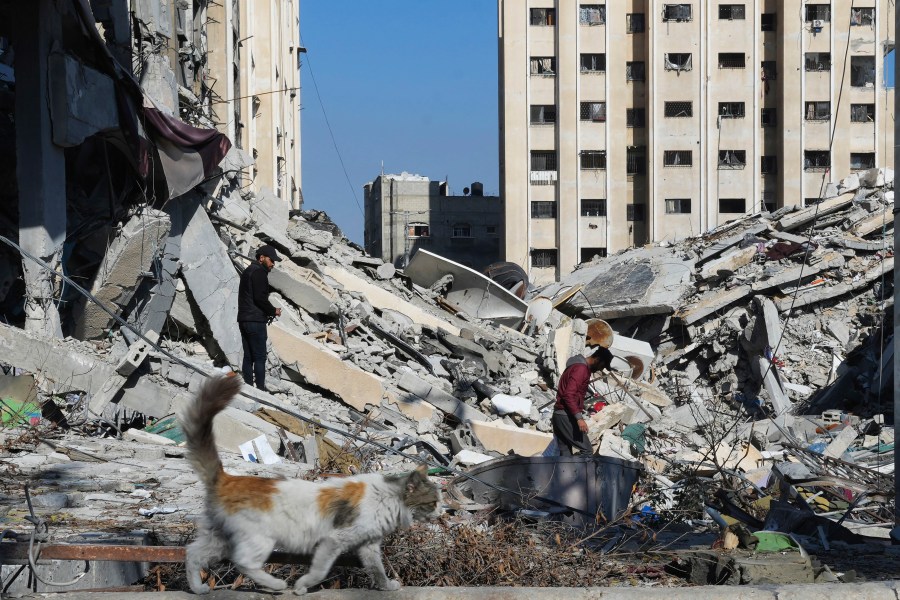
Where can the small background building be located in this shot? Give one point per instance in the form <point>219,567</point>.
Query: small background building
<point>406,212</point>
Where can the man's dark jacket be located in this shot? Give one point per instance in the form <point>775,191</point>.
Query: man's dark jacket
<point>253,295</point>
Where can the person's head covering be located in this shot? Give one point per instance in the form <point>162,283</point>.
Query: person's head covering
<point>267,250</point>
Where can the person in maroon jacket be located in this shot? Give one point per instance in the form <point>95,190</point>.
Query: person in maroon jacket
<point>569,425</point>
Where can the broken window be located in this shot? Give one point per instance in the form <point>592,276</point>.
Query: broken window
<point>769,69</point>
<point>543,114</point>
<point>768,21</point>
<point>636,160</point>
<point>543,65</point>
<point>860,161</point>
<point>543,160</point>
<point>593,159</point>
<point>490,229</point>
<point>676,12</point>
<point>731,110</point>
<point>544,258</point>
<point>418,230</point>
<point>543,209</point>
<point>767,199</point>
<point>731,60</point>
<point>862,113</point>
<point>634,212</point>
<point>593,208</point>
<point>862,71</point>
<point>818,111</point>
<point>768,117</point>
<point>678,206</point>
<point>594,63</point>
<point>635,71</point>
<point>732,159</point>
<point>816,160</point>
<point>634,23</point>
<point>817,12</point>
<point>811,201</point>
<point>678,109</point>
<point>677,158</point>
<point>732,12</point>
<point>593,111</point>
<point>635,117</point>
<point>732,205</point>
<point>818,61</point>
<point>768,165</point>
<point>543,16</point>
<point>588,254</point>
<point>592,14</point>
<point>862,16</point>
<point>677,61</point>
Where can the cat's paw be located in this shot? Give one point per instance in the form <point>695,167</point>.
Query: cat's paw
<point>300,591</point>
<point>392,585</point>
<point>200,589</point>
<point>276,586</point>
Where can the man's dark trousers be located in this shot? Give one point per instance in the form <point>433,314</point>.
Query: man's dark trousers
<point>568,436</point>
<point>253,338</point>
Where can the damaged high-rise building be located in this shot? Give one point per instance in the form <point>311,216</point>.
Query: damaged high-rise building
<point>118,119</point>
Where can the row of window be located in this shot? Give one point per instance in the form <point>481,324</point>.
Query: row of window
<point>595,14</point>
<point>546,114</point>
<point>544,209</point>
<point>862,68</point>
<point>457,230</point>
<point>545,160</point>
<point>546,258</point>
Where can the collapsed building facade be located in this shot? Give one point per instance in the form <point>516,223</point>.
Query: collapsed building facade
<point>748,386</point>
<point>113,110</point>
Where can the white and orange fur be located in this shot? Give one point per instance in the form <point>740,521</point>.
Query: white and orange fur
<point>248,517</point>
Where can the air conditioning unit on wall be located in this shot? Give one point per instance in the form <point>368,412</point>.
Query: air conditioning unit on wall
<point>818,24</point>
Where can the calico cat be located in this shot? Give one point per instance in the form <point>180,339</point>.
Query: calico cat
<point>247,517</point>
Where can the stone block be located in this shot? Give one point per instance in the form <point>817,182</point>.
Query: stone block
<point>137,352</point>
<point>158,82</point>
<point>128,258</point>
<point>728,263</point>
<point>145,437</point>
<point>303,287</point>
<point>435,396</point>
<point>383,299</point>
<point>498,437</point>
<point>304,233</point>
<point>267,208</point>
<point>211,278</point>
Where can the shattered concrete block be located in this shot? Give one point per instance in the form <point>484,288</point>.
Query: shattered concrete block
<point>383,299</point>
<point>468,457</point>
<point>599,422</point>
<point>182,313</point>
<point>851,182</point>
<point>447,403</point>
<point>211,278</point>
<point>712,302</point>
<point>304,233</point>
<point>839,444</point>
<point>137,352</point>
<point>810,213</point>
<point>128,258</point>
<point>159,83</point>
<point>269,209</point>
<point>839,330</point>
<point>145,437</point>
<point>498,437</point>
<point>303,287</point>
<point>875,178</point>
<point>386,271</point>
<point>505,404</point>
<point>727,264</point>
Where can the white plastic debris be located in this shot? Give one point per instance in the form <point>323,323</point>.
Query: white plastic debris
<point>258,450</point>
<point>505,404</point>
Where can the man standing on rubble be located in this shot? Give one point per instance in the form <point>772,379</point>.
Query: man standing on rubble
<point>254,311</point>
<point>569,425</point>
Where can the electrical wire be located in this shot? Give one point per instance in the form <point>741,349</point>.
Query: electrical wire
<point>330,131</point>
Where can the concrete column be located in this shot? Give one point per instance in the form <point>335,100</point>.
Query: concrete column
<point>41,166</point>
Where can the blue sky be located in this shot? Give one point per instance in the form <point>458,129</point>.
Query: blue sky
<point>412,83</point>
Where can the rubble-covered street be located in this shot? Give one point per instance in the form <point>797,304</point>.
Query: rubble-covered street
<point>749,393</point>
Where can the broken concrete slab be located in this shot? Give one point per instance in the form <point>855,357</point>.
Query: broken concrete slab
<point>728,263</point>
<point>383,299</point>
<point>82,100</point>
<point>711,302</point>
<point>304,233</point>
<point>881,220</point>
<point>129,256</point>
<point>826,292</point>
<point>765,370</point>
<point>811,213</point>
<point>435,396</point>
<point>721,245</point>
<point>269,209</point>
<point>304,287</point>
<point>828,260</point>
<point>841,442</point>
<point>500,437</point>
<point>211,278</point>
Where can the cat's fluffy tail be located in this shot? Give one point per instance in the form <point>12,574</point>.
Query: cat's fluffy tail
<point>197,420</point>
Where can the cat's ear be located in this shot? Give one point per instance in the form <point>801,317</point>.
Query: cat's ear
<point>416,477</point>
<point>422,470</point>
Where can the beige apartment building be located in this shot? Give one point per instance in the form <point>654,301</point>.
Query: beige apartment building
<point>252,86</point>
<point>636,120</point>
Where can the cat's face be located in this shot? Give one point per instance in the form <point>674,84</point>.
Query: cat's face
<point>422,497</point>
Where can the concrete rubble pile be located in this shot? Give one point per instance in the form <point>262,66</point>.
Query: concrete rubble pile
<point>749,358</point>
